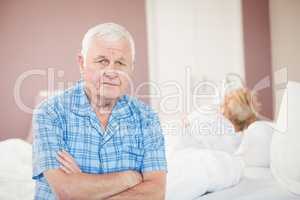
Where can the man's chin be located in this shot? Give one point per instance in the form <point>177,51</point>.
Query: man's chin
<point>110,94</point>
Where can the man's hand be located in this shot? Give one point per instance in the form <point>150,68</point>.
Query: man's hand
<point>68,164</point>
<point>152,188</point>
<point>134,178</point>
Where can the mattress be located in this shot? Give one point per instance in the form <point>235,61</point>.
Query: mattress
<point>256,184</point>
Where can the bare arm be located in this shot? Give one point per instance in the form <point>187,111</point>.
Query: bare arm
<point>76,185</point>
<point>152,188</point>
<point>83,186</point>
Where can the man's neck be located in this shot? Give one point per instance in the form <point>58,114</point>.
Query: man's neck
<point>102,107</point>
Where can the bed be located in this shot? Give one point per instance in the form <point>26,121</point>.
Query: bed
<point>256,184</point>
<point>281,180</point>
<point>16,170</point>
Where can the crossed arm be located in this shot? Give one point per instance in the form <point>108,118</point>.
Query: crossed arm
<point>69,182</point>
<point>152,187</point>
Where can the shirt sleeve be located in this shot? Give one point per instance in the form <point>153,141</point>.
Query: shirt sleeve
<point>154,144</point>
<point>47,141</point>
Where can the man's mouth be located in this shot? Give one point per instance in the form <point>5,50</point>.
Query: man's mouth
<point>111,84</point>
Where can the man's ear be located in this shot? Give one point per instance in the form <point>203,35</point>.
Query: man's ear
<point>80,62</point>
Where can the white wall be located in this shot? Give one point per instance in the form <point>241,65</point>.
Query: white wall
<point>204,35</point>
<point>285,34</point>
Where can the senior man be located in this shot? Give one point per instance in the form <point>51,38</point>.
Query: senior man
<point>93,141</point>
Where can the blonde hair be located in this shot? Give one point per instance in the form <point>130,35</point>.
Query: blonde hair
<point>241,107</point>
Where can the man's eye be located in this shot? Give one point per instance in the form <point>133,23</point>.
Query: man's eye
<point>120,63</point>
<point>104,62</point>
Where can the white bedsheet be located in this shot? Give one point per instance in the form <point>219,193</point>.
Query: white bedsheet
<point>256,184</point>
<point>193,172</point>
<point>16,170</point>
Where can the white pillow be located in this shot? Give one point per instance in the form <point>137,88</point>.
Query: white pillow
<point>255,145</point>
<point>285,147</point>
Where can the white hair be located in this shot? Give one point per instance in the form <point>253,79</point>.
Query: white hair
<point>107,31</point>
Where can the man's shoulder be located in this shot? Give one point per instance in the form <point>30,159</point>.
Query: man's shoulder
<point>59,102</point>
<point>145,112</point>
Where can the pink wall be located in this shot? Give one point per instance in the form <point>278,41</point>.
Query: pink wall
<point>257,43</point>
<point>41,34</point>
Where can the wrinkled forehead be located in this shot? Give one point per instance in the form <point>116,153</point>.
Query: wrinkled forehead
<point>110,47</point>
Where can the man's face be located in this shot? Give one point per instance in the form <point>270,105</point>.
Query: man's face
<point>107,68</point>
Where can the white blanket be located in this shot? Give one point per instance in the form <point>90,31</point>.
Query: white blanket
<point>16,170</point>
<point>194,172</point>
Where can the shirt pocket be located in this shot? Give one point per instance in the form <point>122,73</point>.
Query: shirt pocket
<point>132,158</point>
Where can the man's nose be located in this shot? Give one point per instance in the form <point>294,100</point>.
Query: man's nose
<point>110,66</point>
<point>111,74</point>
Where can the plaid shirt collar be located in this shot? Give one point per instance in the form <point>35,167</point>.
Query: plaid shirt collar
<point>81,106</point>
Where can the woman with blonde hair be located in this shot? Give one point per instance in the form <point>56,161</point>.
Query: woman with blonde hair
<point>240,107</point>
<point>218,129</point>
<point>210,145</point>
<point>205,157</point>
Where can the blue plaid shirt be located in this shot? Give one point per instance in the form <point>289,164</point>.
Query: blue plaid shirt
<point>132,140</point>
